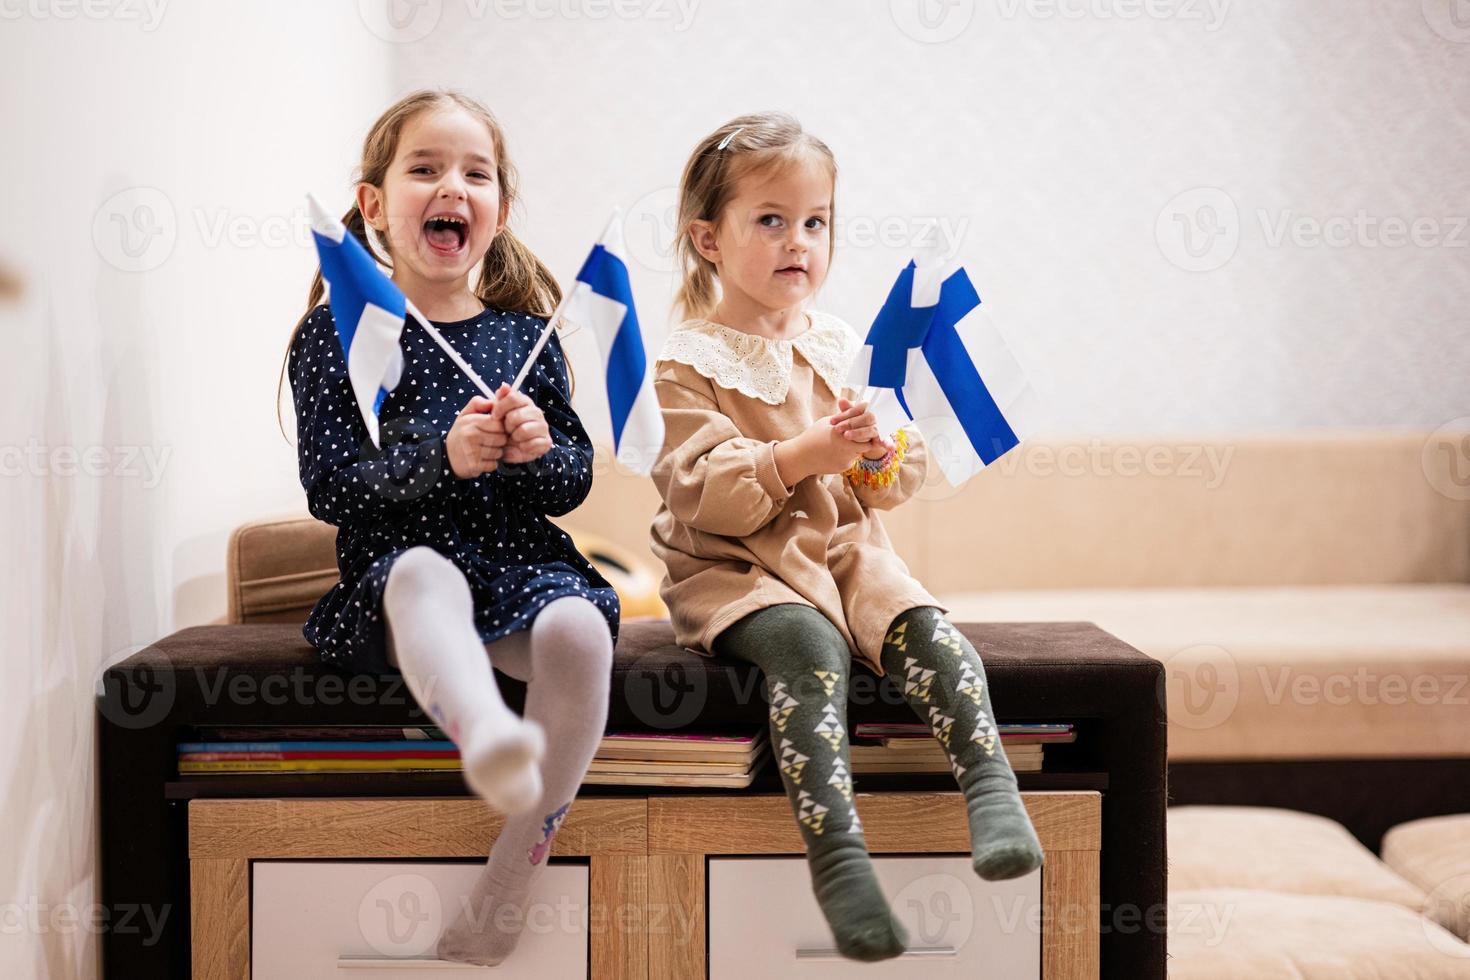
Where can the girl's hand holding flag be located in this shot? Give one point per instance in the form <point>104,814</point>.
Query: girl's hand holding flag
<point>935,359</point>
<point>523,423</point>
<point>856,422</point>
<point>476,441</point>
<point>510,428</point>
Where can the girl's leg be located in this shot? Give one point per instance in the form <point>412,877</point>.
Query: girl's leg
<point>433,641</point>
<point>942,678</point>
<point>806,664</point>
<point>565,658</point>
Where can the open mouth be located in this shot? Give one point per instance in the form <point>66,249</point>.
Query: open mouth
<point>446,234</point>
<point>792,271</point>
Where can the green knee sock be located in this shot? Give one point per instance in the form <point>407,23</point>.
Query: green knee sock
<point>944,682</point>
<point>806,663</point>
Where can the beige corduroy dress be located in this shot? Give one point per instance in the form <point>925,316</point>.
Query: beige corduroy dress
<point>735,539</point>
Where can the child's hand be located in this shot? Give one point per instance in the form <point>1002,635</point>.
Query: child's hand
<point>524,424</point>
<point>476,440</point>
<point>819,450</point>
<point>859,425</point>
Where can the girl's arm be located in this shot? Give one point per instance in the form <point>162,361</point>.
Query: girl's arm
<point>711,477</point>
<point>558,481</point>
<point>906,482</point>
<point>347,479</point>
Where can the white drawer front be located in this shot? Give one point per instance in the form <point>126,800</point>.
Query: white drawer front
<point>359,920</point>
<point>764,922</point>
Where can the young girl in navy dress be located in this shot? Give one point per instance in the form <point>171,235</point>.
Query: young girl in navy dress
<point>448,562</point>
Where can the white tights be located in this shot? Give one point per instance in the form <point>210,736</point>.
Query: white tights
<point>528,768</point>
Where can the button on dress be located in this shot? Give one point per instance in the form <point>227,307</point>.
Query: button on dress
<point>493,527</point>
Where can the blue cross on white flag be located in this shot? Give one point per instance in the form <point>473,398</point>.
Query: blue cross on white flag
<point>617,398</point>
<point>369,311</point>
<point>950,368</point>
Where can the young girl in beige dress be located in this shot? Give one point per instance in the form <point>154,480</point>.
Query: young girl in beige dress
<point>771,478</point>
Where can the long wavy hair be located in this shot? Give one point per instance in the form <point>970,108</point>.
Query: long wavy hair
<point>511,276</point>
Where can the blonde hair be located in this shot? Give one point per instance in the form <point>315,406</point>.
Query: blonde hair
<point>511,277</point>
<point>763,142</point>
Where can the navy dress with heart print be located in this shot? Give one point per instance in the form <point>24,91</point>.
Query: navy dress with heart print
<point>493,527</point>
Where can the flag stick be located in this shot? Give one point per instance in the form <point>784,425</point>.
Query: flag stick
<point>541,340</point>
<point>453,354</point>
<point>556,314</point>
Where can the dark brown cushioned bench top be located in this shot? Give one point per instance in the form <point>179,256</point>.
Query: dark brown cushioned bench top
<point>1036,671</point>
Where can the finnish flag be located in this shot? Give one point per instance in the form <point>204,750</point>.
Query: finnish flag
<point>951,371</point>
<point>615,399</point>
<point>369,311</point>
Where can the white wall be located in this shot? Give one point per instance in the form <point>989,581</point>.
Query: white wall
<point>1052,135</point>
<point>1051,145</point>
<point>225,110</point>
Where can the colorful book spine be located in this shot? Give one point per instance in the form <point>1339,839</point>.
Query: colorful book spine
<point>318,746</point>
<point>261,756</point>
<point>319,765</point>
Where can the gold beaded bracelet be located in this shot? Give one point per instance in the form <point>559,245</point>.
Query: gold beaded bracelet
<point>879,473</point>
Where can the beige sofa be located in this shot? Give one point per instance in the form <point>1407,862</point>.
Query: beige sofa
<point>1277,895</point>
<point>1309,592</point>
<point>1293,583</point>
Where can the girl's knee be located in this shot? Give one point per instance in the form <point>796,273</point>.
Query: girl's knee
<point>572,639</point>
<point>923,618</point>
<point>785,639</point>
<point>818,643</point>
<point>422,570</point>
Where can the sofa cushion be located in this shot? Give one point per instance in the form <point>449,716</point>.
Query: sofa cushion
<point>1277,850</point>
<point>277,568</point>
<point>1230,933</point>
<point>1317,672</point>
<point>1434,854</point>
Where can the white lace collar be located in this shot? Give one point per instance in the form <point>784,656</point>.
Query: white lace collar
<point>760,367</point>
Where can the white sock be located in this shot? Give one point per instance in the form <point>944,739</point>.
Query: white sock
<point>432,639</point>
<point>567,665</point>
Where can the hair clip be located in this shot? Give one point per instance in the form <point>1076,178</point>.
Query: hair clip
<point>726,141</point>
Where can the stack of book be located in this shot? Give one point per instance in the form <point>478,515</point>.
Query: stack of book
<point>680,758</point>
<point>912,748</point>
<point>729,759</point>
